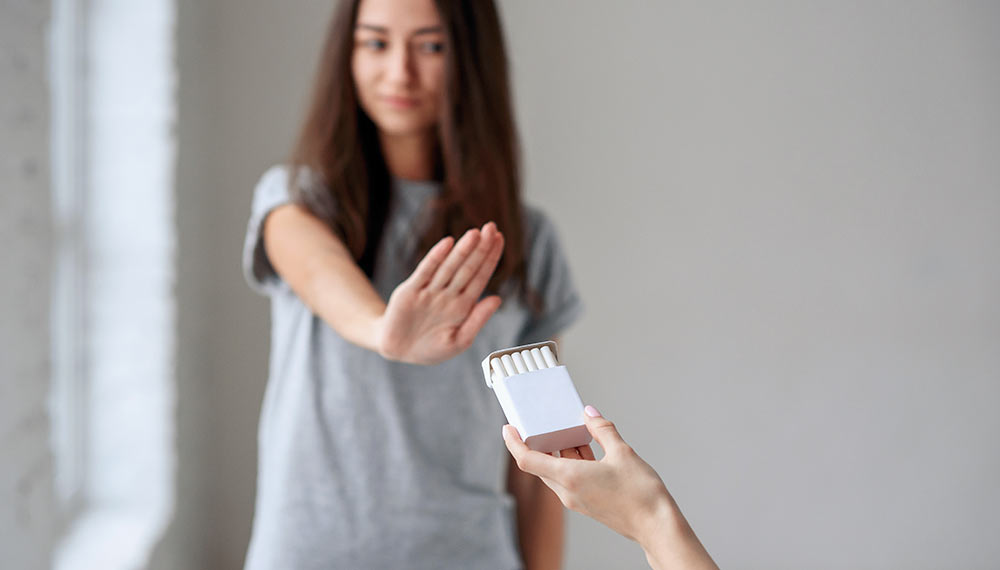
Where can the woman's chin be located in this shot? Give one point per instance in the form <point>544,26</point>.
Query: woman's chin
<point>398,126</point>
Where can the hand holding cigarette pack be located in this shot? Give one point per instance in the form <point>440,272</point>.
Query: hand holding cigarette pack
<point>537,396</point>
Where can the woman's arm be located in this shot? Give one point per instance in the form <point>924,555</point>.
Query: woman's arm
<point>621,490</point>
<point>430,317</point>
<point>320,269</point>
<point>539,520</point>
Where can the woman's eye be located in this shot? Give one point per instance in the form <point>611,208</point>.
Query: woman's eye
<point>374,44</point>
<point>432,47</point>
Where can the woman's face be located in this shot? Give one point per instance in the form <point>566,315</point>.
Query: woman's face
<point>398,64</point>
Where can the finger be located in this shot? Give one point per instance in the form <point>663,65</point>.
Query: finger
<point>477,318</point>
<point>603,430</point>
<point>486,268</point>
<point>462,249</point>
<point>570,453</point>
<point>429,264</point>
<point>529,461</point>
<point>471,264</point>
<point>586,452</point>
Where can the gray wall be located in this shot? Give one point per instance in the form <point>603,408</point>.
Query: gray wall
<point>243,70</point>
<point>28,510</point>
<point>784,221</point>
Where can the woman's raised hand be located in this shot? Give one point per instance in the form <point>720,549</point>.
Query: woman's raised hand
<point>436,313</point>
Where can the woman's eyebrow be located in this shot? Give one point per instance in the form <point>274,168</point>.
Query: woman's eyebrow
<point>385,30</point>
<point>380,29</point>
<point>428,30</point>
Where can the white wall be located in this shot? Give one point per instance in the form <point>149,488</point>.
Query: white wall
<point>782,217</point>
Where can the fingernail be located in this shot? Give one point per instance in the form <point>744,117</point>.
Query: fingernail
<point>503,432</point>
<point>592,412</point>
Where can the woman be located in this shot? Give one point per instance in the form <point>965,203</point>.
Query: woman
<point>377,444</point>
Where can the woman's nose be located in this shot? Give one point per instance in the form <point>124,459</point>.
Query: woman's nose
<point>400,65</point>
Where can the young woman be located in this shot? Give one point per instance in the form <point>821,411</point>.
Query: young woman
<point>377,441</point>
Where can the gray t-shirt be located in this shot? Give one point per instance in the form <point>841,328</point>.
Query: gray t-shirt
<point>366,463</point>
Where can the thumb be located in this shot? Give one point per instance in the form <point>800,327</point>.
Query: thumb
<point>603,430</point>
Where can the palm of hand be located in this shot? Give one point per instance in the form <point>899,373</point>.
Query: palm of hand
<point>436,313</point>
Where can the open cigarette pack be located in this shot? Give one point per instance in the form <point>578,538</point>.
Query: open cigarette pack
<point>537,396</point>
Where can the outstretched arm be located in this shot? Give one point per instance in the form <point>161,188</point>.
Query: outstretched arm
<point>430,317</point>
<point>621,490</point>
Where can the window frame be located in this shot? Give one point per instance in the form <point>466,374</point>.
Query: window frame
<point>67,398</point>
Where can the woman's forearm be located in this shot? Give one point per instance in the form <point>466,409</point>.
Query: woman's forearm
<point>342,296</point>
<point>433,315</point>
<point>324,275</point>
<point>669,542</point>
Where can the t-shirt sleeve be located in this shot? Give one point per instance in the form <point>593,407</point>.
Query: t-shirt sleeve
<point>548,275</point>
<point>272,191</point>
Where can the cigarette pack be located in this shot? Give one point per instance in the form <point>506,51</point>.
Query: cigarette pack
<point>537,396</point>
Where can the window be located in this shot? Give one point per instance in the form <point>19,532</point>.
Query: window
<point>67,404</point>
<point>113,303</point>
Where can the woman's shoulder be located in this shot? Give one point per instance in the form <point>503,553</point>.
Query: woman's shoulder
<point>280,175</point>
<point>538,226</point>
<point>276,182</point>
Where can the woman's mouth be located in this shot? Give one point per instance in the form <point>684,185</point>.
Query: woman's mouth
<point>400,101</point>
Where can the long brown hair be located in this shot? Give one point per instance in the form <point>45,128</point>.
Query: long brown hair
<point>478,162</point>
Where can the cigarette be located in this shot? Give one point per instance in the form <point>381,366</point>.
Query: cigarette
<point>550,359</point>
<point>539,361</point>
<point>518,362</point>
<point>528,360</point>
<point>497,368</point>
<point>508,365</point>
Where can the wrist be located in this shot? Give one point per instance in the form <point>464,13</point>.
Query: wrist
<point>668,540</point>
<point>377,337</point>
<point>653,523</point>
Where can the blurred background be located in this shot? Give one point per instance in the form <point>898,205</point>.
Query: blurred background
<point>783,217</point>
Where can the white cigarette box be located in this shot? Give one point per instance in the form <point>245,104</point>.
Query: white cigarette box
<point>539,400</point>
